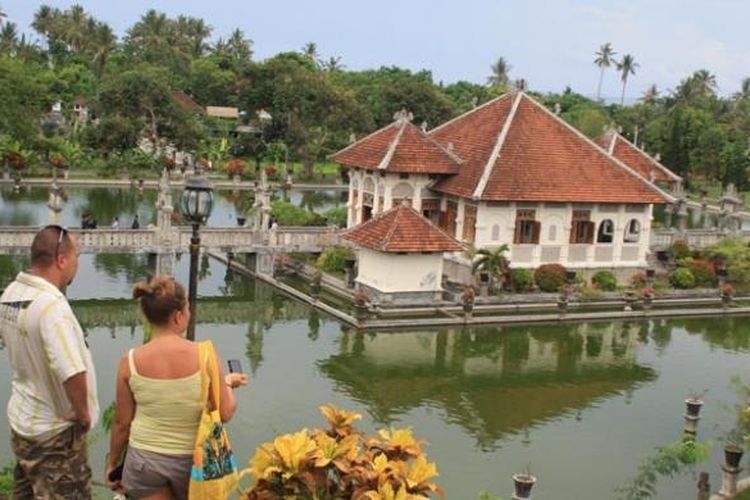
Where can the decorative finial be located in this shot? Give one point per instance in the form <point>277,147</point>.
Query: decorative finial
<point>403,116</point>
<point>352,138</point>
<point>474,102</point>
<point>558,108</point>
<point>423,126</point>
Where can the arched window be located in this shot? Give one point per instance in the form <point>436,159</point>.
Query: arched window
<point>552,234</point>
<point>632,231</point>
<point>368,186</point>
<point>606,231</point>
<point>400,192</point>
<point>496,232</point>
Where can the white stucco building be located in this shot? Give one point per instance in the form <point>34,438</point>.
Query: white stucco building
<point>509,171</point>
<point>400,255</point>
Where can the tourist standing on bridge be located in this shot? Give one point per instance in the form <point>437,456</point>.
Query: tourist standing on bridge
<point>159,400</point>
<point>136,223</point>
<point>53,401</point>
<point>116,223</point>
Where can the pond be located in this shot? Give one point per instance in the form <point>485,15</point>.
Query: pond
<point>571,400</point>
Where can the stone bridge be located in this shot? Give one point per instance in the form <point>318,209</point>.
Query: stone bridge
<point>662,239</point>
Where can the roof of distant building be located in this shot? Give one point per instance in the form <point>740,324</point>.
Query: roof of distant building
<point>187,102</point>
<point>402,230</point>
<point>222,112</point>
<point>516,149</point>
<point>400,147</point>
<point>640,161</point>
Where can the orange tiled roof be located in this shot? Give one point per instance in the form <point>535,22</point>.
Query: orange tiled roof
<point>402,229</point>
<point>399,147</point>
<point>515,149</point>
<point>644,165</point>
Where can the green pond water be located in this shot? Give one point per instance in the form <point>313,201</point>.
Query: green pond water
<point>582,404</point>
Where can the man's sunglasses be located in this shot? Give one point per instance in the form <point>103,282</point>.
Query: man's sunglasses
<point>62,232</point>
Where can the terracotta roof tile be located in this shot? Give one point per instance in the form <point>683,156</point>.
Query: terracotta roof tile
<point>402,229</point>
<point>646,166</point>
<point>400,147</point>
<point>187,102</point>
<point>540,158</point>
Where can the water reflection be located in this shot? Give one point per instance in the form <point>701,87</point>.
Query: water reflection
<point>490,381</point>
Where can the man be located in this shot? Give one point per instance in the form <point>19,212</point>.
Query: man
<point>53,400</point>
<point>136,223</point>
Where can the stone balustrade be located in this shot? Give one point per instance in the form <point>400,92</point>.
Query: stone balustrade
<point>663,239</point>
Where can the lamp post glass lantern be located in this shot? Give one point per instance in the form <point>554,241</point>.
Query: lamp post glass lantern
<point>196,204</point>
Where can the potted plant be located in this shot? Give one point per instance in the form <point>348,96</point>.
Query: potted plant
<point>733,449</point>
<point>523,482</point>
<point>693,403</point>
<point>727,292</point>
<point>630,299</point>
<point>467,300</point>
<point>360,299</point>
<point>647,296</point>
<point>59,162</point>
<point>564,298</point>
<point>235,168</point>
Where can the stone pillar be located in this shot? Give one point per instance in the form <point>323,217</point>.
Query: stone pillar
<point>729,481</point>
<point>164,203</point>
<point>681,209</point>
<point>54,203</point>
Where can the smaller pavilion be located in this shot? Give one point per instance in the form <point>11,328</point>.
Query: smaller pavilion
<point>400,255</point>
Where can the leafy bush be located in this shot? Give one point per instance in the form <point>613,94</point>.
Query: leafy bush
<point>550,277</point>
<point>680,250</point>
<point>703,272</point>
<point>334,259</point>
<point>638,279</point>
<point>682,278</point>
<point>6,481</point>
<point>589,293</point>
<point>337,216</point>
<point>523,279</point>
<point>341,462</point>
<point>729,250</point>
<point>234,167</point>
<point>605,281</point>
<point>738,274</point>
<point>291,215</point>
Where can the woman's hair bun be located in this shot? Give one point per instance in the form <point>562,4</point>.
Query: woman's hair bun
<point>143,289</point>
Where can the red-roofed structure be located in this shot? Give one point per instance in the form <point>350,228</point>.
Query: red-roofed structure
<point>510,171</point>
<point>644,164</point>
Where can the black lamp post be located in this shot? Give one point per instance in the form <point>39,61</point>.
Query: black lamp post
<point>196,204</point>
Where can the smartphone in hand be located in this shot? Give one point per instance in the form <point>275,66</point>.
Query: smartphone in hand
<point>234,366</point>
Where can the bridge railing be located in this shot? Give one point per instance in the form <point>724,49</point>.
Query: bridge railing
<point>695,238</point>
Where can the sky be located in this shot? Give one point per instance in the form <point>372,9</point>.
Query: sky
<point>549,43</point>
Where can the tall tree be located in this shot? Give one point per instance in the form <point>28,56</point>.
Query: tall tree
<point>500,71</point>
<point>8,39</point>
<point>604,59</point>
<point>650,95</point>
<point>333,64</point>
<point>744,92</point>
<point>310,50</point>
<point>626,67</point>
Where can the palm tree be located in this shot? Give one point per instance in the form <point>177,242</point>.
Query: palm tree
<point>626,67</point>
<point>494,262</point>
<point>604,59</point>
<point>704,82</point>
<point>333,64</point>
<point>744,93</point>
<point>650,95</point>
<point>102,43</point>
<point>310,50</point>
<point>8,39</point>
<point>500,71</point>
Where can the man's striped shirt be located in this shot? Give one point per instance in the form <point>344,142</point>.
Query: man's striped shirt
<point>46,347</point>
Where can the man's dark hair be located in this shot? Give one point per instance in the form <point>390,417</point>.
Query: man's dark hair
<point>48,243</point>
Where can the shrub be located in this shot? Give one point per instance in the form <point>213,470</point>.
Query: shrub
<point>682,278</point>
<point>334,259</point>
<point>550,277</point>
<point>234,167</point>
<point>703,272</point>
<point>589,293</point>
<point>337,216</point>
<point>638,279</point>
<point>738,274</point>
<point>605,281</point>
<point>291,215</point>
<point>522,279</point>
<point>341,462</point>
<point>728,251</point>
<point>680,250</point>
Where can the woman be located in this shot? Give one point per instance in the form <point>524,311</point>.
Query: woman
<point>159,399</point>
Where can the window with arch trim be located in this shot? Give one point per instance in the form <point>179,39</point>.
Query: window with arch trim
<point>606,231</point>
<point>632,231</point>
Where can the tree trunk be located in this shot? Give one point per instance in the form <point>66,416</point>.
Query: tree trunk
<point>599,87</point>
<point>622,98</point>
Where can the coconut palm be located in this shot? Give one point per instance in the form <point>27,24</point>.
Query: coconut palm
<point>102,44</point>
<point>650,95</point>
<point>744,92</point>
<point>500,71</point>
<point>704,83</point>
<point>310,50</point>
<point>333,64</point>
<point>8,38</point>
<point>604,59</point>
<point>626,67</point>
<point>494,262</point>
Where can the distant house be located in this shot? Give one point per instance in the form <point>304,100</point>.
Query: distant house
<point>645,165</point>
<point>188,103</point>
<point>80,111</point>
<point>400,255</point>
<point>222,112</point>
<point>509,171</point>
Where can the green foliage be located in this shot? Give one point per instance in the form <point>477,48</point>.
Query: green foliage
<point>337,216</point>
<point>682,278</point>
<point>738,274</point>
<point>288,214</point>
<point>605,281</point>
<point>667,461</point>
<point>492,261</point>
<point>728,250</point>
<point>523,279</point>
<point>334,259</point>
<point>550,277</point>
<point>486,495</point>
<point>6,481</point>
<point>703,272</point>
<point>680,250</point>
<point>589,293</point>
